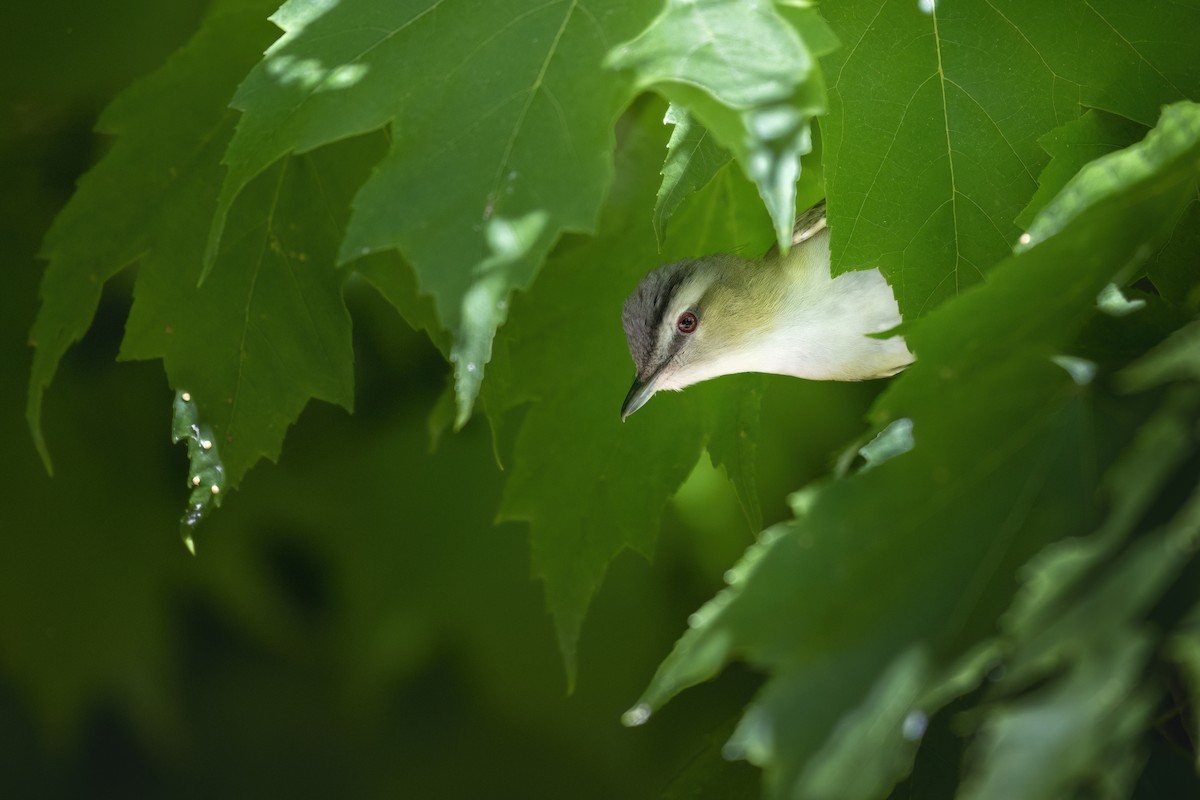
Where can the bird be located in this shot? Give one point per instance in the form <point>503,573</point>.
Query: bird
<point>696,319</point>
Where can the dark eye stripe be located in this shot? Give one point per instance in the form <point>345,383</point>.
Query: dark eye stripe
<point>666,293</point>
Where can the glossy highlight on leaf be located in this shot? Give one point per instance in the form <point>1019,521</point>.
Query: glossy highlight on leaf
<point>693,158</point>
<point>501,125</point>
<point>748,72</point>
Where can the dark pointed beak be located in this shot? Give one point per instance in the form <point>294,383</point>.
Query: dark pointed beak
<point>639,393</point>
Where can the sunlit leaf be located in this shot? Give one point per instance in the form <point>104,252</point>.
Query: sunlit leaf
<point>693,158</point>
<point>931,144</point>
<point>501,118</point>
<point>749,74</point>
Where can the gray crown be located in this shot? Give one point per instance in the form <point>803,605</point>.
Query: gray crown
<point>644,309</point>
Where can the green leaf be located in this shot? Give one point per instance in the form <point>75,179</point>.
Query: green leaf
<point>937,532</point>
<point>1184,650</point>
<point>1173,268</point>
<point>709,775</point>
<point>148,193</point>
<point>929,160</point>
<point>1073,145</point>
<point>748,73</point>
<point>733,441</point>
<point>886,716</point>
<point>205,470</point>
<point>501,121</point>
<point>1098,712</point>
<point>1114,173</point>
<point>268,330</point>
<point>589,485</point>
<point>693,158</point>
<point>894,440</point>
<point>1102,704</point>
<point>1079,646</point>
<point>1177,358</point>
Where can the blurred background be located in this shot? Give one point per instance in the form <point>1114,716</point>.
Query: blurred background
<point>353,622</point>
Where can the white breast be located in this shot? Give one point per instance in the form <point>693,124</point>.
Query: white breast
<point>821,333</point>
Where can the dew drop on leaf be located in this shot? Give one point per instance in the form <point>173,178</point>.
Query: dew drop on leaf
<point>914,725</point>
<point>636,716</point>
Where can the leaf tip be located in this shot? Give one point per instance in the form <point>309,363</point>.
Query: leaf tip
<point>33,418</point>
<point>204,465</point>
<point>216,232</point>
<point>636,716</point>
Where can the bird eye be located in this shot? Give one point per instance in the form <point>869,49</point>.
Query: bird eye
<point>687,322</point>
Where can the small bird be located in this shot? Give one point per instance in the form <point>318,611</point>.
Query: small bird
<point>699,318</point>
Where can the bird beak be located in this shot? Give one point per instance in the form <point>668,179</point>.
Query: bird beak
<point>639,393</point>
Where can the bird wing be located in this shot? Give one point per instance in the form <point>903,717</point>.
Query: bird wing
<point>809,224</point>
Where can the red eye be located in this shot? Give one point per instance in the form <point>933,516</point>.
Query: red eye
<point>687,322</point>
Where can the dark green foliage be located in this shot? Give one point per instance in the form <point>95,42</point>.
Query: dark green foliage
<point>1003,554</point>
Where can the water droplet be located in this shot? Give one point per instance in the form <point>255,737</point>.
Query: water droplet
<point>1025,238</point>
<point>636,716</point>
<point>206,444</point>
<point>695,620</point>
<point>730,576</point>
<point>187,398</point>
<point>196,480</point>
<point>914,725</point>
<point>366,251</point>
<point>927,5</point>
<point>512,176</point>
<point>216,489</point>
<point>470,366</point>
<point>501,305</point>
<point>194,515</point>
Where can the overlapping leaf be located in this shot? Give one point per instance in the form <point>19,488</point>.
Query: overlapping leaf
<point>693,158</point>
<point>937,532</point>
<point>1072,145</point>
<point>931,142</point>
<point>1078,633</point>
<point>149,192</point>
<point>588,485</point>
<point>748,72</point>
<point>268,329</point>
<point>501,120</point>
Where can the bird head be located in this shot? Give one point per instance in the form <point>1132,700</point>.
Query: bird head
<point>678,325</point>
